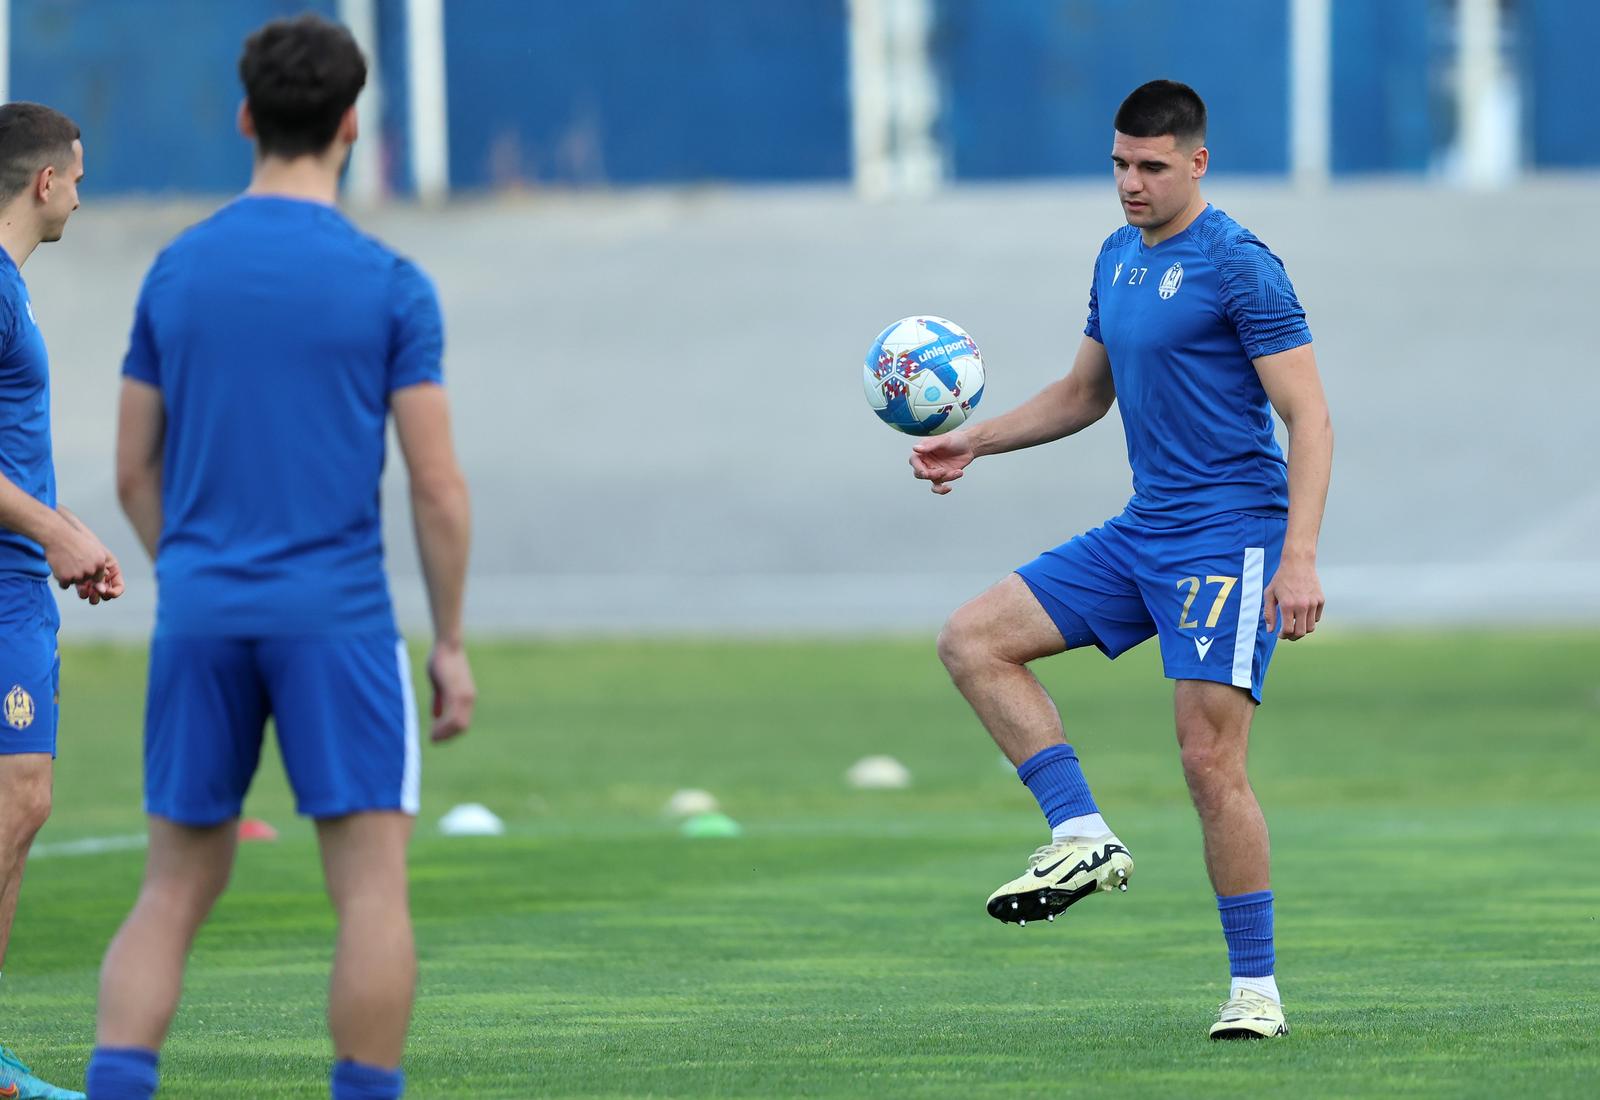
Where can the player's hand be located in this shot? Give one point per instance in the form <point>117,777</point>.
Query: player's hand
<point>76,556</point>
<point>453,690</point>
<point>108,587</point>
<point>942,459</point>
<point>1295,598</point>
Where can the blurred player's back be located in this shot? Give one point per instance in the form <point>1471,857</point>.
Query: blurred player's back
<point>270,346</point>
<point>277,332</point>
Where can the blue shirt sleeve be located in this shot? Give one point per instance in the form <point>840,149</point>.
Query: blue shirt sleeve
<point>416,349</point>
<point>1259,299</point>
<point>8,324</point>
<point>143,362</point>
<point>1091,328</point>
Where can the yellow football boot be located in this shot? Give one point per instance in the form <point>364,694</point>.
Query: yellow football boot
<point>1249,1016</point>
<point>1059,874</point>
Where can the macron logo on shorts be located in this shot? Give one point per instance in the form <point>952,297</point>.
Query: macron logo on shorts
<point>1202,646</point>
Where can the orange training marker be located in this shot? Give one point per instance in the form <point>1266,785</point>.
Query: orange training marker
<point>253,828</point>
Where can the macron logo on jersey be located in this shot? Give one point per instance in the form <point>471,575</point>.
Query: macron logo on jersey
<point>1170,282</point>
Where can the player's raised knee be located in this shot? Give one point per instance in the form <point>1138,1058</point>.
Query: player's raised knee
<point>964,642</point>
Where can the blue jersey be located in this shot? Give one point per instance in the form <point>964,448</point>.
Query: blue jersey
<point>25,457</point>
<point>276,332</point>
<point>1181,322</point>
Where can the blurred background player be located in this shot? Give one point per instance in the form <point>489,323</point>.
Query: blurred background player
<point>269,345</point>
<point>41,164</point>
<point>1194,326</point>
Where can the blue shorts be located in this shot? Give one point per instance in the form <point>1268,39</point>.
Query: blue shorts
<point>343,708</point>
<point>30,666</point>
<point>1197,588</point>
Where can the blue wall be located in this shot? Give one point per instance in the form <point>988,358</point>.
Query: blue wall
<point>634,91</point>
<point>1386,116</point>
<point>394,125</point>
<point>1031,87</point>
<point>153,84</point>
<point>675,91</point>
<point>1560,44</point>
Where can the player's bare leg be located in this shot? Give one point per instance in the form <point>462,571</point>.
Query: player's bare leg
<point>142,977</point>
<point>1213,723</point>
<point>25,780</point>
<point>24,807</point>
<point>375,963</point>
<point>986,646</point>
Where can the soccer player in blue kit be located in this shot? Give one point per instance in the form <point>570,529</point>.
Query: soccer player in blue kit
<point>1195,331</point>
<point>41,164</point>
<point>270,344</point>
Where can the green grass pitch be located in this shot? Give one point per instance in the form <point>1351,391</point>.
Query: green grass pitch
<point>1434,801</point>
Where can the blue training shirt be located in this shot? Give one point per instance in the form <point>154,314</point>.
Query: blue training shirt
<point>25,457</point>
<point>1181,322</point>
<point>276,332</point>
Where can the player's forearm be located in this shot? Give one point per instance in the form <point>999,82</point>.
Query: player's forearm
<point>442,512</point>
<point>1310,467</point>
<point>1057,411</point>
<point>142,506</point>
<point>23,514</point>
<point>139,491</point>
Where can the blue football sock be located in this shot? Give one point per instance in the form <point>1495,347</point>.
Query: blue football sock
<point>1247,926</point>
<point>357,1081</point>
<point>122,1073</point>
<point>1056,780</point>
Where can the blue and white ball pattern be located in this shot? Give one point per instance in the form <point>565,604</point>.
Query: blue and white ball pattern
<point>923,376</point>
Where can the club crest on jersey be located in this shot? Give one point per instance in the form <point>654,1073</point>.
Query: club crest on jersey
<point>1171,281</point>
<point>19,708</point>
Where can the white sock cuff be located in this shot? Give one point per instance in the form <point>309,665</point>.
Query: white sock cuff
<point>1266,986</point>
<point>1092,826</point>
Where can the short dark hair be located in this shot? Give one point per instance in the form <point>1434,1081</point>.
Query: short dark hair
<point>31,136</point>
<point>300,76</point>
<point>1163,107</point>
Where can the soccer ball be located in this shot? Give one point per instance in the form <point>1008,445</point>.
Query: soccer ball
<point>923,375</point>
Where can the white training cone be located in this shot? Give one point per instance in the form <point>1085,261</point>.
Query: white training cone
<point>471,819</point>
<point>878,773</point>
<point>690,802</point>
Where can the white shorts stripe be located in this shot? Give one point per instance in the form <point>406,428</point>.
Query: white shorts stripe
<point>411,778</point>
<point>1244,638</point>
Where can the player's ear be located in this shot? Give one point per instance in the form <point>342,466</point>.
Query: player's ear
<point>349,129</point>
<point>43,181</point>
<point>246,121</point>
<point>1200,161</point>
